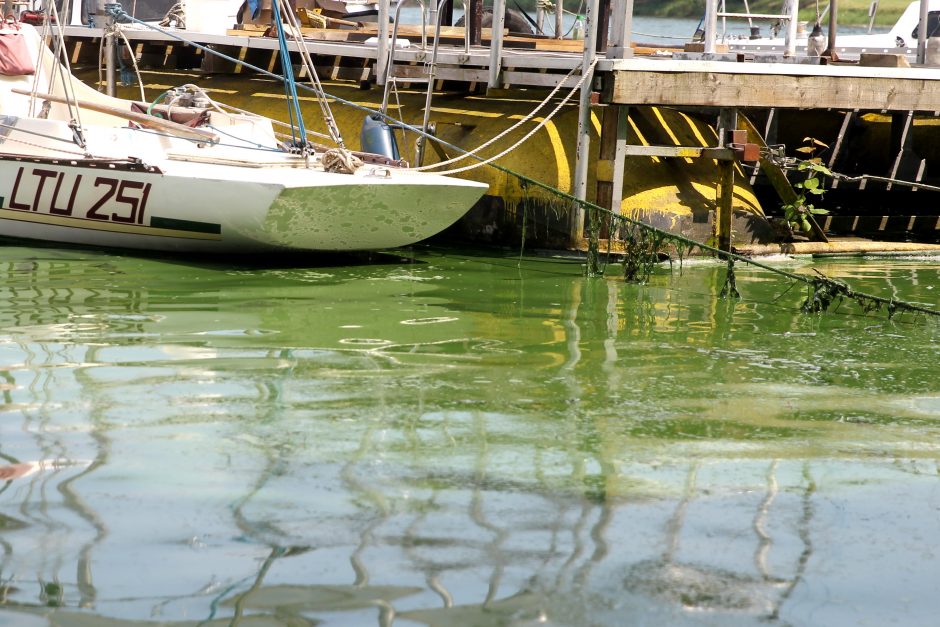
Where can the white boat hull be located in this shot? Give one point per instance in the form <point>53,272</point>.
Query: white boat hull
<point>130,207</point>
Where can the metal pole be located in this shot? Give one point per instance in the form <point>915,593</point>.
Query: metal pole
<point>496,42</point>
<point>381,50</point>
<point>711,25</point>
<point>794,11</point>
<point>922,32</point>
<point>102,20</point>
<point>621,30</point>
<point>584,122</point>
<point>833,27</point>
<point>559,14</point>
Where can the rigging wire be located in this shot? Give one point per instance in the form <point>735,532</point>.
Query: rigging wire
<point>290,86</point>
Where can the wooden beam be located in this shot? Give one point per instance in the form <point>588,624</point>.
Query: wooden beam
<point>748,89</point>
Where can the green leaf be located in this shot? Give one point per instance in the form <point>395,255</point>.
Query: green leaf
<point>818,212</point>
<point>811,184</point>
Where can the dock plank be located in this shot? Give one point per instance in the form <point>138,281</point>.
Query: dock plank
<point>726,84</point>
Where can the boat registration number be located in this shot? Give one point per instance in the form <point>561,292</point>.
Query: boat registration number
<point>83,196</point>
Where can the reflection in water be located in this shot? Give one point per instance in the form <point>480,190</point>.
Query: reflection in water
<point>455,441</point>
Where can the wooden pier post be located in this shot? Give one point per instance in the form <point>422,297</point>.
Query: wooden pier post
<point>727,122</point>
<point>612,153</point>
<point>474,22</point>
<point>576,225</point>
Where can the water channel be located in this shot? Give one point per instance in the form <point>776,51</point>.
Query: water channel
<point>461,438</point>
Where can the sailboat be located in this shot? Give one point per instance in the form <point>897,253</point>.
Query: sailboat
<point>80,167</point>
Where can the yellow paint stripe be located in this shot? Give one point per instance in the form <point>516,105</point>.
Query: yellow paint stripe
<point>698,135</point>
<point>260,94</point>
<point>475,114</point>
<point>561,157</point>
<point>94,225</point>
<point>642,139</point>
<point>242,53</point>
<point>558,147</point>
<point>672,136</point>
<point>595,121</point>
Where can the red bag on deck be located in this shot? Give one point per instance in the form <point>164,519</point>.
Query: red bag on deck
<point>14,53</point>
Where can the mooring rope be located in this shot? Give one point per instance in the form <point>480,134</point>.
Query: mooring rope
<point>528,135</point>
<point>512,128</point>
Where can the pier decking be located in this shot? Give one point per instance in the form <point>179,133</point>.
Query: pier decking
<point>707,83</point>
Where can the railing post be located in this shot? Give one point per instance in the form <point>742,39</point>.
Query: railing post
<point>922,32</point>
<point>794,12</point>
<point>496,43</point>
<point>621,30</point>
<point>833,27</point>
<point>381,50</point>
<point>711,25</point>
<point>105,21</point>
<point>559,23</point>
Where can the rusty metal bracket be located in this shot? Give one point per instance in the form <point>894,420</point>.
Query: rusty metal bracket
<point>744,151</point>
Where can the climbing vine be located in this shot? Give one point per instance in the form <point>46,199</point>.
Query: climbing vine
<point>799,212</point>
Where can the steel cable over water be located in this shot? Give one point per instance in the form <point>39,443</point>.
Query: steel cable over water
<point>645,239</point>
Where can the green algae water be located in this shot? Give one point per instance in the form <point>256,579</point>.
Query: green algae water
<point>462,439</point>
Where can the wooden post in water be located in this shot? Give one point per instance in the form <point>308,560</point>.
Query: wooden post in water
<point>727,122</point>
<point>611,156</point>
<point>576,226</point>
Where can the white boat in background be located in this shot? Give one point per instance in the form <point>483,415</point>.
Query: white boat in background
<point>900,39</point>
<point>80,167</point>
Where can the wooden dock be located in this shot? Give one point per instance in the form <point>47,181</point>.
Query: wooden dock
<point>623,76</point>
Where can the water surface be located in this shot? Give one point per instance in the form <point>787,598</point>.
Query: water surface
<point>461,439</point>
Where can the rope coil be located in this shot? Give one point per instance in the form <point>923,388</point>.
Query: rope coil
<point>339,161</point>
